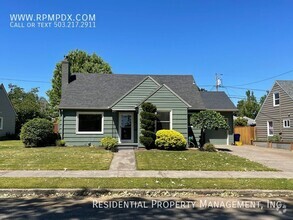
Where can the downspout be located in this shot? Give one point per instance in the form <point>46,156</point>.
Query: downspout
<point>62,119</point>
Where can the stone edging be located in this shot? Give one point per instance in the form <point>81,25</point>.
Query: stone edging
<point>32,193</point>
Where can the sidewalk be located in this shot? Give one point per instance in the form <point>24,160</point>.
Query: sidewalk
<point>136,173</point>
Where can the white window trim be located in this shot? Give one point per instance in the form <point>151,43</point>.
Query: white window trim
<point>274,99</point>
<point>171,117</point>
<point>89,132</point>
<point>1,123</point>
<point>286,119</point>
<point>268,128</point>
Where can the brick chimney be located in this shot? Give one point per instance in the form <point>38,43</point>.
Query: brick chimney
<point>65,69</point>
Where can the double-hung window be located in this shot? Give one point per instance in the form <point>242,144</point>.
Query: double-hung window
<point>89,123</point>
<point>286,123</point>
<point>164,120</point>
<point>276,99</point>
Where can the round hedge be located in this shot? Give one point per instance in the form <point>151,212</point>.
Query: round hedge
<point>170,140</point>
<point>37,132</point>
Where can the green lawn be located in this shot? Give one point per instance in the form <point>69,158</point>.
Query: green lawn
<point>147,183</point>
<point>14,156</point>
<point>195,160</point>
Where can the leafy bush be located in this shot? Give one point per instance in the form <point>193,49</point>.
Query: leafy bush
<point>208,147</point>
<point>275,138</point>
<point>147,119</point>
<point>170,140</point>
<point>109,143</point>
<point>60,143</point>
<point>241,122</point>
<point>37,132</point>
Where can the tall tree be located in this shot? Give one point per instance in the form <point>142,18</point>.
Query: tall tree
<point>208,120</point>
<point>28,105</point>
<point>248,107</point>
<point>80,62</point>
<point>262,99</point>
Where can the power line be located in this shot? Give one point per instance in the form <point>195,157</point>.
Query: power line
<point>234,87</point>
<point>235,97</point>
<point>24,80</point>
<point>272,77</point>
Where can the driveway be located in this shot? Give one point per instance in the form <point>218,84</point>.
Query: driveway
<point>274,158</point>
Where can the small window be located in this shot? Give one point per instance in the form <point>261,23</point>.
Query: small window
<point>286,123</point>
<point>276,99</point>
<point>270,128</point>
<point>91,123</point>
<point>1,123</point>
<point>163,120</point>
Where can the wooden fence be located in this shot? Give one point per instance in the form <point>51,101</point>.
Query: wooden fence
<point>247,134</point>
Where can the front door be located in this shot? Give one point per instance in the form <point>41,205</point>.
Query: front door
<point>126,127</point>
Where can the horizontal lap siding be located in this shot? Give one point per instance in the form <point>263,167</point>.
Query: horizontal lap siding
<point>229,116</point>
<point>276,114</point>
<point>166,100</point>
<point>136,96</point>
<point>216,137</point>
<point>73,139</point>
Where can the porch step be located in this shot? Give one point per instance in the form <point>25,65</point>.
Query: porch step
<point>126,147</point>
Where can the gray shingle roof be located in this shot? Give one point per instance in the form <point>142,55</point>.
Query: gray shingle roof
<point>217,101</point>
<point>99,91</point>
<point>287,85</point>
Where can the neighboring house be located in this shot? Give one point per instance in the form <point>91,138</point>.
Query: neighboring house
<point>94,106</point>
<point>7,114</point>
<point>250,121</point>
<point>274,117</point>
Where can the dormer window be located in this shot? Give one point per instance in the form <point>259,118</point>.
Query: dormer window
<point>276,99</point>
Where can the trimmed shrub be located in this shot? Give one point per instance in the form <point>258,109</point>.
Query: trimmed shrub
<point>37,132</point>
<point>275,138</point>
<point>147,124</point>
<point>170,140</point>
<point>208,147</point>
<point>60,143</point>
<point>109,143</point>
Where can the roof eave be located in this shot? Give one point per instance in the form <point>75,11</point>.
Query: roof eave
<point>84,108</point>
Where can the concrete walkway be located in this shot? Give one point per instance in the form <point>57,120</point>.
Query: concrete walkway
<point>123,160</point>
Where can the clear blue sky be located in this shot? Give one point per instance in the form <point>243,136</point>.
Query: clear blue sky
<point>246,41</point>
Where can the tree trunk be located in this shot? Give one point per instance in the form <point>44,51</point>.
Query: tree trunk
<point>202,138</point>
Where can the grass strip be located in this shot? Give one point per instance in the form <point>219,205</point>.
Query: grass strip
<point>195,160</point>
<point>146,183</point>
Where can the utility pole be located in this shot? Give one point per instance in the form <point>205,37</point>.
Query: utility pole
<point>218,81</point>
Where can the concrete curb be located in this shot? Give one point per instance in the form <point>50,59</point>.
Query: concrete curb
<point>79,192</point>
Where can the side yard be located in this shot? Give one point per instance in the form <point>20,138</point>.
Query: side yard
<point>14,156</point>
